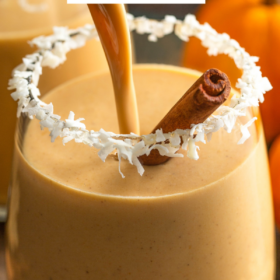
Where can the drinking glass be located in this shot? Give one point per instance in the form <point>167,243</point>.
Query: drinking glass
<point>71,216</point>
<point>184,219</point>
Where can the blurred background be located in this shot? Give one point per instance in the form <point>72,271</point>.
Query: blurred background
<point>154,52</point>
<point>255,24</point>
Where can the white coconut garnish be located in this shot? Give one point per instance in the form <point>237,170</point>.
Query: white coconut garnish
<point>52,52</point>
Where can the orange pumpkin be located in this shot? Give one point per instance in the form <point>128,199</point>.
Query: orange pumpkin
<point>274,162</point>
<point>255,24</point>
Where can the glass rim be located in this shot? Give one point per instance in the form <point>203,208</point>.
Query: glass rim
<point>23,123</point>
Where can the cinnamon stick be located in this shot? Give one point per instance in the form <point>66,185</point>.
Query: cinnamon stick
<point>195,106</point>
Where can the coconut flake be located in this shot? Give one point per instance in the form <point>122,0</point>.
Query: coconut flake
<point>159,136</point>
<point>192,150</point>
<point>245,132</point>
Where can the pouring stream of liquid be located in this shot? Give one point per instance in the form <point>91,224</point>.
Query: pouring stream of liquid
<point>111,24</point>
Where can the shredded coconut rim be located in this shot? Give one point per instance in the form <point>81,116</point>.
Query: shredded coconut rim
<point>52,52</point>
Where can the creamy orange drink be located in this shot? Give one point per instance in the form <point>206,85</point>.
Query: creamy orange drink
<point>74,217</point>
<point>187,214</point>
<point>18,25</point>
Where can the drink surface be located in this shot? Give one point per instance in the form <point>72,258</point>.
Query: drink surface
<point>158,90</point>
<point>73,216</point>
<point>17,27</point>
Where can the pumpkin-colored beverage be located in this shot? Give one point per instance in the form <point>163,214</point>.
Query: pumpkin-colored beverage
<point>71,216</point>
<point>17,27</point>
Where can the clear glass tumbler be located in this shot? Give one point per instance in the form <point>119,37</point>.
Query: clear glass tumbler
<point>71,216</point>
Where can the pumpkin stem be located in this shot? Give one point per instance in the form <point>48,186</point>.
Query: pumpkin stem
<point>271,2</point>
